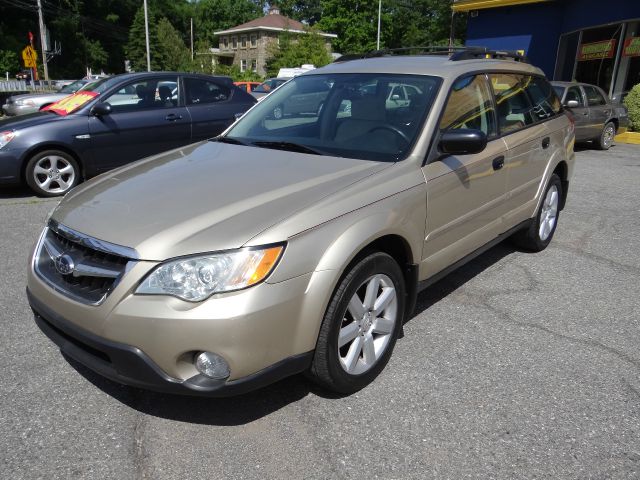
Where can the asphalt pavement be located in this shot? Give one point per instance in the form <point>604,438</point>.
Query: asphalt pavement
<point>517,366</point>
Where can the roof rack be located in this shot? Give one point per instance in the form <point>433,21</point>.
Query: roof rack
<point>455,53</point>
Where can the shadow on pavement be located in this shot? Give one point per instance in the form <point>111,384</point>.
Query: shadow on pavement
<point>252,406</point>
<point>15,191</point>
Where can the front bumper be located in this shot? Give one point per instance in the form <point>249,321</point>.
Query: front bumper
<point>131,366</point>
<point>9,167</point>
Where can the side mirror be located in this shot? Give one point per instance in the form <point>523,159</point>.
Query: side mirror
<point>572,104</point>
<point>462,141</point>
<point>395,97</point>
<point>101,108</point>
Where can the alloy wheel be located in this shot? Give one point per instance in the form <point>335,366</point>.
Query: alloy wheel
<point>549,213</point>
<point>368,324</point>
<point>54,174</point>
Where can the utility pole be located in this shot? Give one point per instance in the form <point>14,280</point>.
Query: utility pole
<point>379,14</point>
<point>146,34</point>
<point>191,38</point>
<point>43,43</point>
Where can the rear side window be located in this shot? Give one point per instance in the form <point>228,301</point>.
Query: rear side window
<point>469,106</point>
<point>522,100</point>
<point>200,91</point>
<point>543,98</point>
<point>594,97</point>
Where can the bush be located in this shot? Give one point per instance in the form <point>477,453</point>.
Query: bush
<point>632,102</point>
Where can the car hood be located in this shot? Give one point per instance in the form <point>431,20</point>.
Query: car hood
<point>38,96</point>
<point>205,197</point>
<point>29,120</point>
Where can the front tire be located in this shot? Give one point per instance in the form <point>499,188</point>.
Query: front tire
<point>606,137</point>
<point>361,325</point>
<point>540,232</point>
<point>52,173</point>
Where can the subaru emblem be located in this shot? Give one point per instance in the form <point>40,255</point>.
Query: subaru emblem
<point>64,264</point>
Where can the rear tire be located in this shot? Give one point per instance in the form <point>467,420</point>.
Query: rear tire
<point>361,325</point>
<point>540,232</point>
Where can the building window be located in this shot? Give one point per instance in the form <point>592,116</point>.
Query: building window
<point>254,40</point>
<point>254,65</point>
<point>243,41</point>
<point>243,65</point>
<point>225,42</point>
<point>234,42</point>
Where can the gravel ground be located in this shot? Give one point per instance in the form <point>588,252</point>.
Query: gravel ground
<point>516,366</point>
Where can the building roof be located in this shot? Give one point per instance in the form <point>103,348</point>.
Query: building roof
<point>467,5</point>
<point>273,22</point>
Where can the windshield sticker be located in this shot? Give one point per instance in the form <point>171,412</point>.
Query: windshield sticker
<point>71,103</point>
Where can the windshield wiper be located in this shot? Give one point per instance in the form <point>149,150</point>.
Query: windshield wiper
<point>231,140</point>
<point>290,146</point>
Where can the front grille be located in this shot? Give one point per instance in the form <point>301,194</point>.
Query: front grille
<point>73,268</point>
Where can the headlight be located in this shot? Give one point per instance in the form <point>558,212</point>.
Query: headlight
<point>6,137</point>
<point>196,278</point>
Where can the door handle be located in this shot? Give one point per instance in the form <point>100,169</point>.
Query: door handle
<point>545,142</point>
<point>172,117</point>
<point>498,162</point>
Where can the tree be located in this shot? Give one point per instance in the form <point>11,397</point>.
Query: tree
<point>404,23</point>
<point>354,21</point>
<point>296,50</point>
<point>8,62</point>
<point>307,11</point>
<point>136,47</point>
<point>172,53</point>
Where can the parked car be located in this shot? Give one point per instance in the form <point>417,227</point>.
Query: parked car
<point>267,87</point>
<point>300,243</point>
<point>247,86</point>
<point>112,122</point>
<point>24,74</point>
<point>597,118</point>
<point>33,102</point>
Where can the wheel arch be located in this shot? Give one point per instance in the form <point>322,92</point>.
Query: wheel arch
<point>562,170</point>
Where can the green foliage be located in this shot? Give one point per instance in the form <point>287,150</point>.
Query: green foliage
<point>172,54</point>
<point>354,21</point>
<point>296,50</point>
<point>234,72</point>
<point>307,11</point>
<point>136,47</point>
<point>215,15</point>
<point>8,62</point>
<point>632,102</point>
<point>403,24</point>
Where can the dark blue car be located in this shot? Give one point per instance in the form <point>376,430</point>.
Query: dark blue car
<point>113,122</point>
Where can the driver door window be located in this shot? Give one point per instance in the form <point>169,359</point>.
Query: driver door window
<point>146,94</point>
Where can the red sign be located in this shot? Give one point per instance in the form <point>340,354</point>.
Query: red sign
<point>631,47</point>
<point>71,103</point>
<point>597,50</point>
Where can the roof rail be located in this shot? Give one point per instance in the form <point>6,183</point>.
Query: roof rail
<point>471,53</point>
<point>455,53</point>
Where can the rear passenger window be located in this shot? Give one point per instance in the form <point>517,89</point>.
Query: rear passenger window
<point>543,98</point>
<point>470,106</point>
<point>594,97</point>
<point>200,91</point>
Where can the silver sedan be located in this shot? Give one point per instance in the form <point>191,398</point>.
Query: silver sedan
<point>33,102</point>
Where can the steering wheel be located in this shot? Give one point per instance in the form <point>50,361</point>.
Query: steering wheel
<point>393,129</point>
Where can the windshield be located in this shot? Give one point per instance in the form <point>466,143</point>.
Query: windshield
<point>369,116</point>
<point>559,90</point>
<point>73,87</point>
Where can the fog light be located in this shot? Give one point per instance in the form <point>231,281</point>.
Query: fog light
<point>212,365</point>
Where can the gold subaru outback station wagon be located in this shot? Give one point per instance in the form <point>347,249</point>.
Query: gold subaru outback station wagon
<point>298,239</point>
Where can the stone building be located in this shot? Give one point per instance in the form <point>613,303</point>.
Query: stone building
<point>247,45</point>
